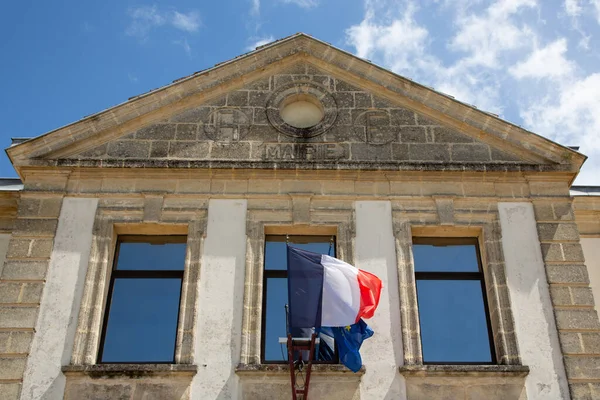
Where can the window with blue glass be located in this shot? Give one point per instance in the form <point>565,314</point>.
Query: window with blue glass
<point>142,309</point>
<point>453,311</point>
<point>275,296</point>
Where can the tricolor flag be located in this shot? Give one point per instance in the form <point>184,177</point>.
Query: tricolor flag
<point>325,291</point>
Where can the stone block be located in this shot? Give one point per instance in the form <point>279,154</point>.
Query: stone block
<point>577,319</point>
<point>129,149</point>
<point>363,100</point>
<point>444,135</point>
<point>98,391</point>
<point>12,368</point>
<point>18,317</point>
<point>582,296</point>
<point>401,116</point>
<point>543,211</point>
<point>157,132</point>
<point>230,151</point>
<point>172,390</point>
<point>189,150</point>
<point>573,252</point>
<point>50,207</point>
<point>258,98</point>
<point>570,273</point>
<point>186,132</point>
<point>471,152</point>
<point>159,149</point>
<point>18,248</point>
<point>429,152</point>
<point>558,232</point>
<point>261,84</point>
<point>344,99</point>
<point>367,152</point>
<point>193,186</point>
<point>24,270</point>
<point>563,211</point>
<point>29,207</point>
<point>96,152</point>
<point>16,342</point>
<point>193,115</point>
<point>414,134</point>
<point>508,391</point>
<point>581,391</point>
<point>549,188</point>
<point>552,252</point>
<point>582,367</point>
<point>511,189</point>
<point>400,152</point>
<point>372,188</point>
<point>237,99</point>
<point>35,227</point>
<point>9,292</point>
<point>570,342</point>
<point>341,86</point>
<point>10,391</point>
<point>498,155</point>
<point>591,342</point>
<point>301,186</point>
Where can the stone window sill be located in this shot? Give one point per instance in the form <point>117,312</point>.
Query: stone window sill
<point>283,369</point>
<point>509,371</point>
<point>130,370</point>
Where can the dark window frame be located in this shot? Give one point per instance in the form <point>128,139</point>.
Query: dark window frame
<point>141,274</point>
<point>457,276</point>
<point>282,274</point>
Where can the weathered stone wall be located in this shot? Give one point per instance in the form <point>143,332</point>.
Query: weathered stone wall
<point>576,318</point>
<point>245,125</point>
<point>22,281</point>
<point>303,199</point>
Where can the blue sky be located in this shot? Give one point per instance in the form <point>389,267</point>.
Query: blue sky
<point>534,62</point>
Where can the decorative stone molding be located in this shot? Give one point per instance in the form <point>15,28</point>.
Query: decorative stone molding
<point>481,222</point>
<point>282,220</point>
<point>303,87</point>
<point>115,217</point>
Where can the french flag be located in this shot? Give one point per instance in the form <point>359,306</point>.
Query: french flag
<point>325,291</point>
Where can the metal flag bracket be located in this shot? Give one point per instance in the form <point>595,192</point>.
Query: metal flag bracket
<point>300,368</point>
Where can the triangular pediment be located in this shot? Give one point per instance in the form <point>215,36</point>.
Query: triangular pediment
<point>234,118</point>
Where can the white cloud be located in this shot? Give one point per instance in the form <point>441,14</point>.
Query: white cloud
<point>303,3</point>
<point>547,62</point>
<point>401,44</point>
<point>189,22</point>
<point>255,10</point>
<point>596,5</point>
<point>146,18</point>
<point>570,115</point>
<point>259,42</point>
<point>484,36</point>
<point>143,19</point>
<point>185,45</point>
<point>573,8</point>
<point>399,41</point>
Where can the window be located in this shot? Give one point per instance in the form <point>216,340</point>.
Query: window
<point>142,310</point>
<point>453,311</point>
<point>275,295</point>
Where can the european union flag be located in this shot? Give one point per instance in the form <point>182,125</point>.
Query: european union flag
<point>348,340</point>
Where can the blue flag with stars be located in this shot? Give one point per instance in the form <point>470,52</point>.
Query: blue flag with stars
<point>348,340</point>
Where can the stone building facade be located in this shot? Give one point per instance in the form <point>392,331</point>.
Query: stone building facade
<point>296,138</point>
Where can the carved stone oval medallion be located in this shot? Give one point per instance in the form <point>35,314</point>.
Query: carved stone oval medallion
<point>226,124</point>
<point>301,109</point>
